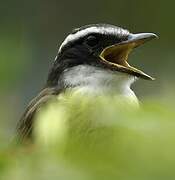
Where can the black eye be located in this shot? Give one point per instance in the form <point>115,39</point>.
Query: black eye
<point>92,41</point>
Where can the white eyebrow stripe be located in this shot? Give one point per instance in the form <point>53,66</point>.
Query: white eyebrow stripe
<point>84,32</point>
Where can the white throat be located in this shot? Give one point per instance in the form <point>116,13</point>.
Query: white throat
<point>92,80</point>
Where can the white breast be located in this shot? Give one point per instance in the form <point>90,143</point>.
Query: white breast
<point>95,81</point>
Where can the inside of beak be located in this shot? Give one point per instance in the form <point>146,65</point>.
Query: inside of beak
<point>117,56</point>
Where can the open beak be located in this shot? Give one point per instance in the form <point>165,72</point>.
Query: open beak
<point>116,56</point>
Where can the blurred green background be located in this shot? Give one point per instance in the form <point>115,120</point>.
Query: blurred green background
<point>30,34</point>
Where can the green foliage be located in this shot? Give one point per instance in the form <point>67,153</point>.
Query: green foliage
<point>96,138</point>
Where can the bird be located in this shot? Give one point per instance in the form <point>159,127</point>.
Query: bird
<point>92,60</point>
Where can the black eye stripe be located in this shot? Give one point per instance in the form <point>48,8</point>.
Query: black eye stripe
<point>92,41</point>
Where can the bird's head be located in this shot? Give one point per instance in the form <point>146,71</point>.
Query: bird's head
<point>97,48</point>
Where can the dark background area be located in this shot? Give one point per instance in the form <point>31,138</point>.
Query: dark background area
<point>31,32</point>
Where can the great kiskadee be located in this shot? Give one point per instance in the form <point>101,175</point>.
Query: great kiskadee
<point>92,60</point>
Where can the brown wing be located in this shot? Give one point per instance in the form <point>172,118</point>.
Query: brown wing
<point>25,124</point>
